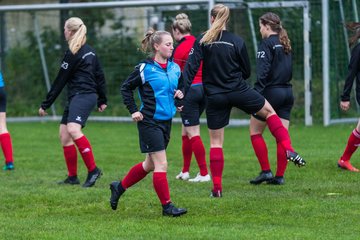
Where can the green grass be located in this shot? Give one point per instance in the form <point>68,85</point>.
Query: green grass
<point>33,206</point>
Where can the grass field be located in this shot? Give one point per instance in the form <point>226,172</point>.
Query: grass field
<point>318,201</point>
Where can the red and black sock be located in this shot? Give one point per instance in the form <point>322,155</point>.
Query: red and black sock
<point>70,155</point>
<point>352,145</point>
<point>200,155</point>
<point>216,167</point>
<point>161,187</point>
<point>261,151</point>
<point>6,146</point>
<point>135,174</point>
<point>85,150</point>
<point>187,152</point>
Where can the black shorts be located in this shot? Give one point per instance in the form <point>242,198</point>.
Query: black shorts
<point>79,108</point>
<point>281,99</point>
<point>2,99</point>
<point>220,105</point>
<point>194,105</point>
<point>154,136</point>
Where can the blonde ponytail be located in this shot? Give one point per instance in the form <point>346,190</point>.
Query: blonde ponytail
<point>221,15</point>
<point>78,28</point>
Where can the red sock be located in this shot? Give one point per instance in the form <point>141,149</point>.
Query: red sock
<point>6,146</point>
<point>217,167</point>
<point>161,187</point>
<point>352,145</point>
<point>70,155</point>
<point>187,152</point>
<point>135,174</point>
<point>261,151</point>
<point>199,152</point>
<point>281,161</point>
<point>280,133</point>
<point>86,152</point>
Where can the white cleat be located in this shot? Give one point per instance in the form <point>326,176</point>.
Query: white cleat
<point>183,176</point>
<point>200,178</point>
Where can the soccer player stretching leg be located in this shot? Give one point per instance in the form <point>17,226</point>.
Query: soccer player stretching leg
<point>274,72</point>
<point>226,66</point>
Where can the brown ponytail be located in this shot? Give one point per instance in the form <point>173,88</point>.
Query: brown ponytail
<point>284,40</point>
<point>354,27</point>
<point>274,22</point>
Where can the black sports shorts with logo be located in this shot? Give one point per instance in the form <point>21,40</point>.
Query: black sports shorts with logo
<point>220,105</point>
<point>2,100</point>
<point>154,135</point>
<point>194,105</point>
<point>281,99</point>
<point>79,108</point>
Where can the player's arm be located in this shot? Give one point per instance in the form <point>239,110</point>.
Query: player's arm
<point>133,81</point>
<point>353,69</point>
<point>264,57</point>
<point>192,64</point>
<point>245,66</point>
<point>66,69</point>
<point>101,85</point>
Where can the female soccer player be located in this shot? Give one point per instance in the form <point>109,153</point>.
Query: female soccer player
<point>194,104</point>
<point>274,72</point>
<point>5,138</point>
<point>157,80</point>
<point>354,72</point>
<point>226,66</point>
<point>81,72</point>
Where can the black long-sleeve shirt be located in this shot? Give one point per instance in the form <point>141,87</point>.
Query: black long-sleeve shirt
<point>273,65</point>
<point>225,64</point>
<point>81,73</point>
<point>353,72</point>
